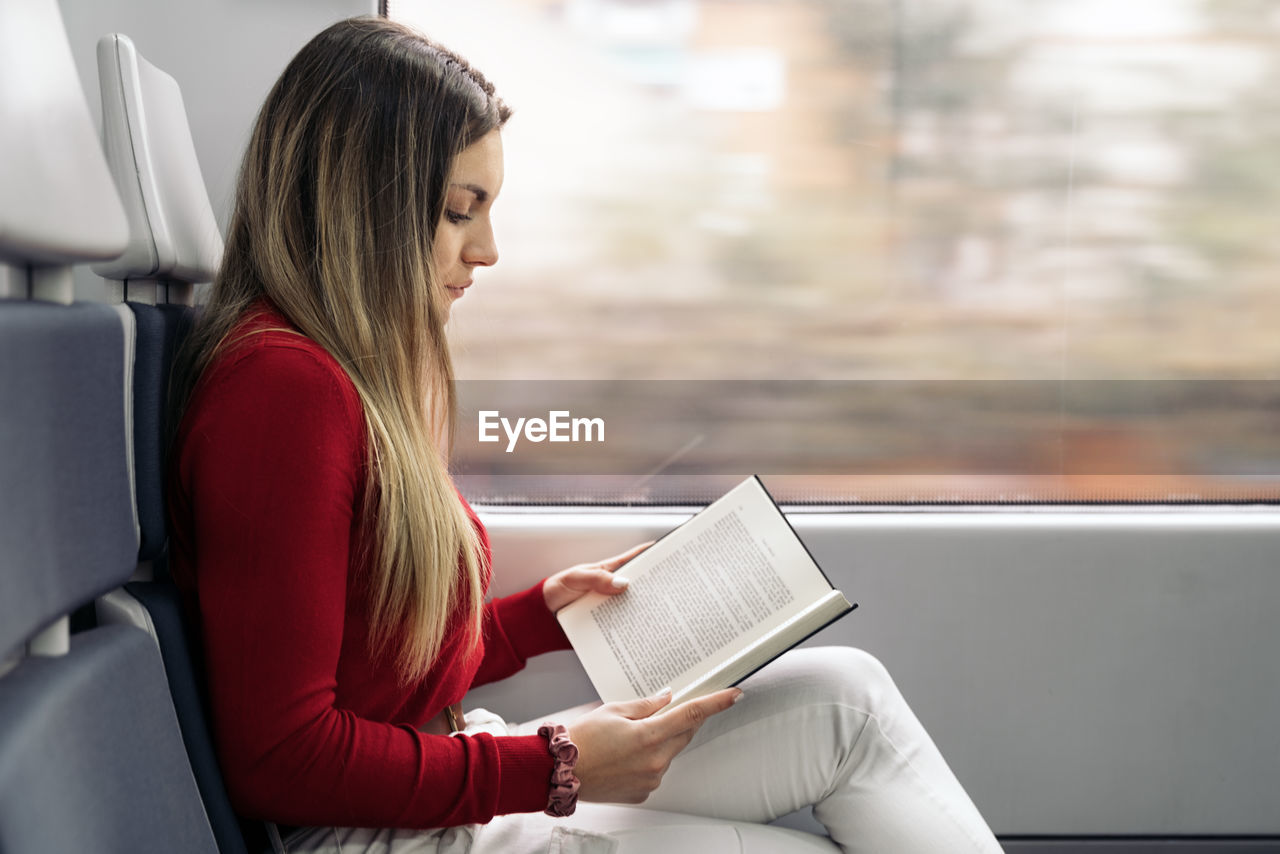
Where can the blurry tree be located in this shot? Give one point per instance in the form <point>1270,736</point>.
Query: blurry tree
<point>946,93</point>
<point>1228,210</point>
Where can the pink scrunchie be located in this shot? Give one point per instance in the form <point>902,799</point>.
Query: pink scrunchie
<point>563,798</point>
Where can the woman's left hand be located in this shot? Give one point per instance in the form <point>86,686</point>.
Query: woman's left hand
<point>573,583</point>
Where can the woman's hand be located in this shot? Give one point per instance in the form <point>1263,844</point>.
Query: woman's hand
<point>573,583</point>
<point>625,748</point>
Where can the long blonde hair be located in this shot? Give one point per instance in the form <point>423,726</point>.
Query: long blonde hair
<point>340,194</point>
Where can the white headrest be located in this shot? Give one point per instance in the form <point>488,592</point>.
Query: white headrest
<point>57,202</point>
<point>173,233</point>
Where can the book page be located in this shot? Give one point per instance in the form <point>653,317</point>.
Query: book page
<point>697,597</point>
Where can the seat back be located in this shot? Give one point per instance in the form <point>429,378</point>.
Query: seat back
<point>66,533</point>
<point>174,244</point>
<point>90,754</point>
<point>64,435</point>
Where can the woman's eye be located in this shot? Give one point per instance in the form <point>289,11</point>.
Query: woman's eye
<point>456,218</point>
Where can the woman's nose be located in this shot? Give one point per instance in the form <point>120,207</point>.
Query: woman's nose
<point>481,251</point>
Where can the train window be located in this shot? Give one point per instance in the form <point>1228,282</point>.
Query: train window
<point>877,251</point>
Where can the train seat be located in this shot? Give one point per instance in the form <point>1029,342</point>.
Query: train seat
<point>90,752</point>
<point>173,245</point>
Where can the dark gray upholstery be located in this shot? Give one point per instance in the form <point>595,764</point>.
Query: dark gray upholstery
<point>161,329</point>
<point>66,533</point>
<point>90,756</point>
<point>181,656</point>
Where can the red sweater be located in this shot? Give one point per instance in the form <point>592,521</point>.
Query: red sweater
<point>265,496</point>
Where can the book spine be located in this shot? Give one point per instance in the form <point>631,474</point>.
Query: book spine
<point>767,648</point>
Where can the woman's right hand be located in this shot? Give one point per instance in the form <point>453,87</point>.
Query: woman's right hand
<point>625,748</point>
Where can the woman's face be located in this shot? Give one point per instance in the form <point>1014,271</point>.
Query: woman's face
<point>464,237</point>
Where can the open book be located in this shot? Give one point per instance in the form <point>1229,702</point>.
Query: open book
<point>708,605</point>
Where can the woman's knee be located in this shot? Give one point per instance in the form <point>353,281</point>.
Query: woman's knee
<point>842,675</point>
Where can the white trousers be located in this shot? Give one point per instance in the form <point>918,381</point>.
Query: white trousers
<point>822,727</point>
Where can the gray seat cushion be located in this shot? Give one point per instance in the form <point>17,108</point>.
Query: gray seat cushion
<point>90,754</point>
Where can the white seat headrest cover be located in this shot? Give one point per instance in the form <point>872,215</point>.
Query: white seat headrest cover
<point>57,202</point>
<point>173,233</point>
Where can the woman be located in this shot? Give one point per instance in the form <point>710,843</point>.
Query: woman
<point>338,578</point>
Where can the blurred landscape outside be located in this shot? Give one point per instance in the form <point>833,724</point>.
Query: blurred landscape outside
<point>895,207</point>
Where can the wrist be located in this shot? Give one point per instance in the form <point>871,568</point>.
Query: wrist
<point>550,597</point>
<point>562,797</point>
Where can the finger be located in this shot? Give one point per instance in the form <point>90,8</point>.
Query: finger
<point>691,714</point>
<point>612,563</point>
<point>612,584</point>
<point>643,707</point>
<point>578,577</point>
<point>598,580</point>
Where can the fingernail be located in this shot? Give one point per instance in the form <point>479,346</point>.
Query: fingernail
<point>619,582</point>
<point>664,692</point>
<point>738,696</point>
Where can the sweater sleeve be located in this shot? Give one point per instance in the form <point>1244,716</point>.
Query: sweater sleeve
<point>270,469</point>
<point>516,628</point>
